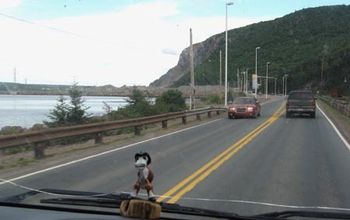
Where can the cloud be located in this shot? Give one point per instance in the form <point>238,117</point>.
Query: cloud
<point>134,41</point>
<point>9,3</point>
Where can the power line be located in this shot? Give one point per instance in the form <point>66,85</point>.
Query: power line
<point>55,29</point>
<point>41,25</point>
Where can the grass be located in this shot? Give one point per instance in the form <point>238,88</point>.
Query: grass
<point>335,112</point>
<point>15,150</point>
<point>25,161</point>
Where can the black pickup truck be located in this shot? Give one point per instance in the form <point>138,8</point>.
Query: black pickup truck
<point>301,102</point>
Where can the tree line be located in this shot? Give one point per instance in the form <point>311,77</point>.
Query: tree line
<point>73,111</point>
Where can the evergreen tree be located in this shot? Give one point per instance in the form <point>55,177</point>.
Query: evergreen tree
<point>58,115</point>
<point>77,111</point>
<point>171,101</point>
<point>69,114</point>
<point>138,105</point>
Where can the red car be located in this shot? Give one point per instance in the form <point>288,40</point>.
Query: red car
<point>244,107</point>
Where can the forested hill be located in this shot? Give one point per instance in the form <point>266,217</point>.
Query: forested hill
<point>296,44</point>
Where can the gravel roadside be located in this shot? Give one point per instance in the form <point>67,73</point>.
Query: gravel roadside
<point>341,121</point>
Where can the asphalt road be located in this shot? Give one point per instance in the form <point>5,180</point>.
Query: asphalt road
<point>298,161</point>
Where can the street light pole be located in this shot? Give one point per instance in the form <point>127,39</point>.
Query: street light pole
<point>267,79</point>
<point>286,84</point>
<point>283,85</point>
<point>246,81</point>
<point>256,70</point>
<point>275,86</point>
<point>227,4</point>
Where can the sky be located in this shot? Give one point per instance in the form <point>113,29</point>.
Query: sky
<point>117,42</point>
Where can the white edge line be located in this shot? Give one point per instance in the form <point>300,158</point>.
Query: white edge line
<point>106,152</point>
<point>335,128</point>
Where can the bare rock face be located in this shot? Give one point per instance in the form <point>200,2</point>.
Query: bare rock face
<point>201,52</point>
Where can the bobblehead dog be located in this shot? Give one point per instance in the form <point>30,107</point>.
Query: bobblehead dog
<point>144,175</point>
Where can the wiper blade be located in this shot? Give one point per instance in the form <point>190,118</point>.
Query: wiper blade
<point>178,209</point>
<point>108,200</point>
<point>306,214</point>
<point>115,200</point>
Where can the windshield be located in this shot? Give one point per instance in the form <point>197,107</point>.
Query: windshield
<point>301,95</point>
<point>244,101</point>
<point>134,96</point>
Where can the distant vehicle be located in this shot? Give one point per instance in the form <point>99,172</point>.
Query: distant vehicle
<point>244,107</point>
<point>301,102</point>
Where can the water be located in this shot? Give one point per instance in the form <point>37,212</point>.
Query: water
<point>27,110</point>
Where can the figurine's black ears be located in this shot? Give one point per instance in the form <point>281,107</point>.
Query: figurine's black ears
<point>143,154</point>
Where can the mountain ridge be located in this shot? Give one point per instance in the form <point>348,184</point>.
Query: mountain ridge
<point>308,36</point>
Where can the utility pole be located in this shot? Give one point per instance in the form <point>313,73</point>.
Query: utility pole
<point>275,85</point>
<point>192,106</point>
<point>220,69</point>
<point>14,75</point>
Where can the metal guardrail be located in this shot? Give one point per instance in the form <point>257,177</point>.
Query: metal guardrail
<point>342,106</point>
<point>39,140</point>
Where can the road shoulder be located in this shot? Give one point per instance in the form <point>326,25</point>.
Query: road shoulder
<point>22,163</point>
<point>340,121</point>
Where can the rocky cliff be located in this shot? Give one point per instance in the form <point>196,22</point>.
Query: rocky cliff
<point>201,53</point>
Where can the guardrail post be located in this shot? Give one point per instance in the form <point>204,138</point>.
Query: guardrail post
<point>198,116</point>
<point>209,114</point>
<point>218,112</point>
<point>184,120</point>
<point>98,138</point>
<point>137,130</point>
<point>39,150</point>
<point>164,124</point>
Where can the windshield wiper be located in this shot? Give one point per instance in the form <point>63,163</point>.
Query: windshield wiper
<point>306,214</point>
<point>92,199</point>
<point>114,201</point>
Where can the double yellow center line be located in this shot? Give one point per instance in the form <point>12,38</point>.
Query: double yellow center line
<point>191,181</point>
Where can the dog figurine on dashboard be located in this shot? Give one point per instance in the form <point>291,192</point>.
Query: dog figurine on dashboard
<point>144,175</point>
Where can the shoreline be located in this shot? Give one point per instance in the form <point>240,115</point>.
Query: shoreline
<point>64,94</point>
<point>28,110</point>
